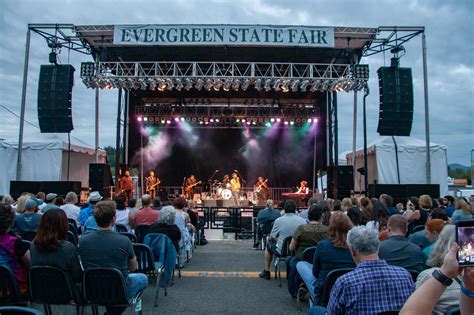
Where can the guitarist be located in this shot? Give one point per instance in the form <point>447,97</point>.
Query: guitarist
<point>261,190</point>
<point>191,182</point>
<point>151,184</point>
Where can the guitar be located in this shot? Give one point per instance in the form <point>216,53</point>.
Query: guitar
<point>261,186</point>
<point>189,187</point>
<point>152,187</point>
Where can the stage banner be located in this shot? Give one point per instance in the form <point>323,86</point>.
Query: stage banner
<point>238,35</point>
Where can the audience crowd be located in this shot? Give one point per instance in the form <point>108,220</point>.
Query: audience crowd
<point>388,257</point>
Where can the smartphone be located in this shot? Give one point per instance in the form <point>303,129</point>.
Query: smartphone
<point>465,240</point>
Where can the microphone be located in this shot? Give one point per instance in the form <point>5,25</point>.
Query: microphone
<point>216,171</point>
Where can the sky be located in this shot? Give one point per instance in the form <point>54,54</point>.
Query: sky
<point>450,51</point>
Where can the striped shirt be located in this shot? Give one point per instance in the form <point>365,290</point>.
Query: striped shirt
<point>372,288</point>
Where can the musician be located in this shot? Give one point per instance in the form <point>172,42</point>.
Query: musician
<point>126,184</point>
<point>235,188</point>
<point>152,184</point>
<point>261,191</point>
<point>225,182</point>
<point>191,182</point>
<point>303,189</point>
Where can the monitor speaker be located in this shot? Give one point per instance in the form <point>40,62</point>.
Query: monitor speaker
<point>100,178</point>
<point>54,98</point>
<point>340,181</point>
<point>396,101</point>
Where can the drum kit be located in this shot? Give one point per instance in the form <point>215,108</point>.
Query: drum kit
<point>220,190</point>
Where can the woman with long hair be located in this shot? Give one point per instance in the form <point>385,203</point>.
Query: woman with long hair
<point>366,205</point>
<point>331,254</point>
<point>462,212</point>
<point>420,216</point>
<point>122,214</point>
<point>50,247</point>
<point>378,216</point>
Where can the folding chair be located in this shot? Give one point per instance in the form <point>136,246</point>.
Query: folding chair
<point>71,237</point>
<point>131,236</point>
<point>120,228</point>
<point>329,283</point>
<point>140,232</point>
<point>9,291</point>
<point>28,235</point>
<point>266,229</point>
<point>285,251</point>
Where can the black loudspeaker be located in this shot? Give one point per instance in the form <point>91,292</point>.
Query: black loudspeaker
<point>54,98</point>
<point>21,186</point>
<point>61,188</point>
<point>396,101</point>
<point>100,178</point>
<point>340,181</point>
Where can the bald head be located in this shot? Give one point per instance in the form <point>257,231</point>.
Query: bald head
<point>397,225</point>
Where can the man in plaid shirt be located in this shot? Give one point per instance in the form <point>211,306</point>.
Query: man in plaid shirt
<point>374,286</point>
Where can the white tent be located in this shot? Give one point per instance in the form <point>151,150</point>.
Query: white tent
<point>45,158</point>
<point>405,165</point>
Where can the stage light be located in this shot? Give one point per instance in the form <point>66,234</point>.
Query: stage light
<point>182,119</point>
<point>237,120</point>
<point>276,85</point>
<point>163,121</point>
<point>87,69</point>
<point>206,123</point>
<point>189,84</point>
<point>315,85</point>
<point>268,85</point>
<point>310,120</point>
<point>294,85</point>
<point>86,82</point>
<point>325,85</point>
<point>304,85</point>
<point>254,122</point>
<point>176,119</point>
<point>139,118</point>
<point>243,120</point>
<point>201,122</point>
<point>285,85</point>
<point>292,123</point>
<point>227,85</point>
<point>258,84</point>
<point>217,84</point>
<point>211,120</point>
<point>188,118</point>
<point>272,120</point>
<point>278,120</point>
<point>199,84</point>
<point>208,85</point>
<point>248,122</point>
<point>151,84</point>
<point>217,120</point>
<point>260,120</point>
<point>315,120</point>
<point>168,122</point>
<point>286,122</point>
<point>246,84</point>
<point>179,84</point>
<point>145,118</point>
<point>143,84</point>
<point>236,85</point>
<point>193,119</point>
<point>361,72</point>
<point>161,85</point>
<point>298,120</point>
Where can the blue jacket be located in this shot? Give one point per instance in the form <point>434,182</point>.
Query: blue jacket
<point>164,252</point>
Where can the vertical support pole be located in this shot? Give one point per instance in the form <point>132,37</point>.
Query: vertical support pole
<point>329,129</point>
<point>23,105</point>
<point>117,140</point>
<point>127,121</point>
<point>354,138</point>
<point>97,111</point>
<point>366,168</point>
<point>314,160</point>
<point>141,164</point>
<point>427,113</point>
<point>336,129</point>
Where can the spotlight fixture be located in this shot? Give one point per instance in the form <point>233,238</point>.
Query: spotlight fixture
<point>276,85</point>
<point>169,84</point>
<point>183,119</point>
<point>87,69</point>
<point>208,85</point>
<point>292,122</point>
<point>268,85</point>
<point>143,84</point>
<point>294,85</point>
<point>246,84</point>
<point>217,120</point>
<point>236,85</point>
<point>151,84</point>
<point>227,85</point>
<point>217,84</point>
<point>304,85</point>
<point>286,122</point>
<point>145,118</point>
<point>139,118</point>
<point>272,119</point>
<point>278,120</point>
<point>199,84</point>
<point>258,84</point>
<point>189,84</point>
<point>285,85</point>
<point>179,84</point>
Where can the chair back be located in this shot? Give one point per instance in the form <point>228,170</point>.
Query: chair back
<point>20,310</point>
<point>120,228</point>
<point>329,283</point>
<point>73,228</point>
<point>105,287</point>
<point>9,292</point>
<point>71,237</point>
<point>414,274</point>
<point>285,249</point>
<point>140,231</point>
<point>50,285</point>
<point>28,235</point>
<point>308,254</point>
<point>132,237</point>
<point>145,259</point>
<point>267,227</point>
<point>164,252</point>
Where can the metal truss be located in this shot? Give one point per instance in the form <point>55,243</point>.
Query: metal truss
<point>390,37</point>
<point>60,36</point>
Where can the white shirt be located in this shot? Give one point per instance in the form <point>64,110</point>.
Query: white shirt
<point>121,217</point>
<point>72,211</point>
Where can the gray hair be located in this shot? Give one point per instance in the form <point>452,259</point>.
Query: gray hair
<point>71,197</point>
<point>167,215</point>
<point>8,200</point>
<point>269,203</point>
<point>363,240</point>
<point>146,200</point>
<point>442,246</point>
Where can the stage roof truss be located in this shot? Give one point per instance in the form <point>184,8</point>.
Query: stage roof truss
<point>390,37</point>
<point>226,75</point>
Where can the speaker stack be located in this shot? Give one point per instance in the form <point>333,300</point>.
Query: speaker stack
<point>54,98</point>
<point>100,178</point>
<point>340,181</point>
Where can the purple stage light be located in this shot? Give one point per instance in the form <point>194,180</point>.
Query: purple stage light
<point>243,120</point>
<point>168,122</point>
<point>176,119</point>
<point>217,119</point>
<point>211,120</point>
<point>286,122</point>
<point>139,118</point>
<point>278,119</point>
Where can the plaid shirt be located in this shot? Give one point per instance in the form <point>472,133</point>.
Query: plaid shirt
<point>373,287</point>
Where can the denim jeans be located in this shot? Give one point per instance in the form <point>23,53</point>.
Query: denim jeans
<point>138,283</point>
<point>305,269</point>
<point>317,310</point>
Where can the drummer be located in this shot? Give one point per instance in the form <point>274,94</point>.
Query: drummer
<point>225,182</point>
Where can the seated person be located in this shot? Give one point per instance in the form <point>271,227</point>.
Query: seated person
<point>305,236</point>
<point>374,286</point>
<point>146,215</point>
<point>330,254</point>
<point>50,247</point>
<point>433,228</point>
<point>268,214</point>
<point>30,219</point>
<point>13,252</point>
<point>419,238</point>
<point>397,250</point>
<point>167,225</point>
<point>88,210</point>
<point>106,248</point>
<point>441,248</point>
<point>122,213</point>
<point>283,227</point>
<point>72,211</point>
<point>462,212</point>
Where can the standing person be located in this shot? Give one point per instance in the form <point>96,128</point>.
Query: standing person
<point>126,183</point>
<point>72,211</point>
<point>105,248</point>
<point>261,190</point>
<point>50,247</point>
<point>152,184</point>
<point>30,219</point>
<point>462,212</point>
<point>235,188</point>
<point>191,182</point>
<point>13,252</point>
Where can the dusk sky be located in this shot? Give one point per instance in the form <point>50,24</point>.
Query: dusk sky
<point>449,32</point>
